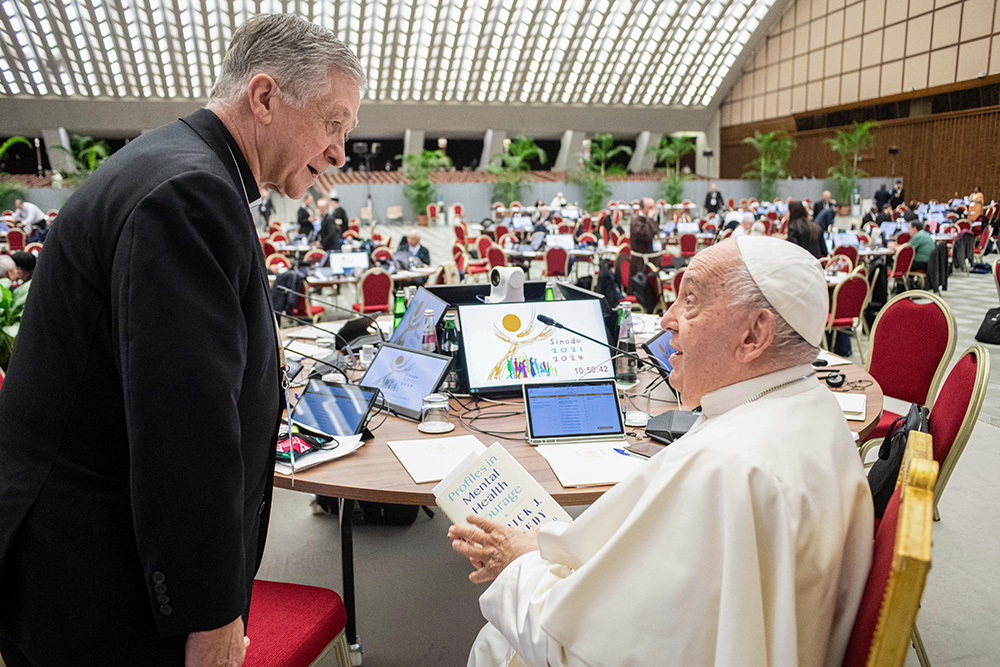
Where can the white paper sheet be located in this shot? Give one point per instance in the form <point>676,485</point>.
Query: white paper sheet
<point>853,405</point>
<point>832,359</point>
<point>348,445</point>
<point>589,464</point>
<point>431,459</point>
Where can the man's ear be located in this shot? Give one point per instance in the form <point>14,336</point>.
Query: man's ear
<point>262,92</point>
<point>758,337</point>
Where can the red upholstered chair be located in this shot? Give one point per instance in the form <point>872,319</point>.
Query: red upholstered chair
<point>846,308</point>
<point>351,234</point>
<point>273,226</point>
<point>510,238</point>
<point>278,237</point>
<point>903,237</point>
<point>901,558</point>
<point>495,256</point>
<point>565,229</point>
<point>375,288</point>
<point>460,236</point>
<point>614,236</point>
<point>355,225</point>
<point>604,234</point>
<point>381,254</point>
<point>982,239</point>
<point>848,251</point>
<point>590,239</point>
<point>15,240</point>
<point>864,238</point>
<point>501,230</point>
<point>34,248</point>
<point>964,226</point>
<point>459,209</point>
<point>653,279</point>
<point>482,245</point>
<point>268,248</point>
<point>291,625</point>
<point>276,263</point>
<point>996,275</point>
<point>689,245</point>
<point>623,268</point>
<point>901,264</point>
<point>432,211</point>
<point>469,268</point>
<point>911,343</point>
<point>314,256</point>
<point>556,262</point>
<point>677,281</point>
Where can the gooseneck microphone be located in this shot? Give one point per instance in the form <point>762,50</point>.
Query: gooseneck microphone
<point>335,306</point>
<point>545,319</point>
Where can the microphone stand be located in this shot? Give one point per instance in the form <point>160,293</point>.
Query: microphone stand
<point>335,306</point>
<point>350,350</point>
<point>544,319</point>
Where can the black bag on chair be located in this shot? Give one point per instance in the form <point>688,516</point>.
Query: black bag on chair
<point>885,471</point>
<point>989,330</point>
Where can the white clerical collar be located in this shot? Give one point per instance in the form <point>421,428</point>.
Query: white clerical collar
<point>722,400</point>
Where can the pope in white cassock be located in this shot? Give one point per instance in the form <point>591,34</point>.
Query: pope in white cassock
<point>745,542</point>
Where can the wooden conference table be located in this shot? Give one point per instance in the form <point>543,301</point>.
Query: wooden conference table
<point>373,473</point>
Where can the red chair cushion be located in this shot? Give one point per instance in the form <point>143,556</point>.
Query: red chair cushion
<point>842,322</point>
<point>884,422</point>
<point>878,579</point>
<point>951,405</point>
<point>904,364</point>
<point>290,624</point>
<point>315,310</point>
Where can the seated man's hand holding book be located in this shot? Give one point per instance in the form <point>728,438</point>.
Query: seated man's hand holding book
<point>490,546</point>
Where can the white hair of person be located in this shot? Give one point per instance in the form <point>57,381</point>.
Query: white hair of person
<point>749,217</point>
<point>300,56</point>
<point>788,345</point>
<point>6,264</point>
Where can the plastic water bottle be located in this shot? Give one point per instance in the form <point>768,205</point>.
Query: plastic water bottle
<point>451,345</point>
<point>550,291</point>
<point>429,343</point>
<point>626,367</point>
<point>398,309</point>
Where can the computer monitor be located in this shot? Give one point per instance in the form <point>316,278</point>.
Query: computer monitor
<point>889,228</point>
<point>521,222</point>
<point>669,228</point>
<point>348,262</point>
<point>845,238</point>
<point>410,331</point>
<point>564,241</point>
<point>571,213</point>
<point>405,376</point>
<point>687,228</point>
<point>505,346</point>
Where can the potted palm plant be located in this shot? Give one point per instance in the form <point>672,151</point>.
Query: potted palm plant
<point>592,174</point>
<point>10,189</point>
<point>848,145</point>
<point>670,151</point>
<point>512,168</point>
<point>417,168</point>
<point>774,150</point>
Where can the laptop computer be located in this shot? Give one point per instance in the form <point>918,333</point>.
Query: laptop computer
<point>569,412</point>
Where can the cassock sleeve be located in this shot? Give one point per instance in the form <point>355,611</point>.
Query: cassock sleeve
<point>179,270</point>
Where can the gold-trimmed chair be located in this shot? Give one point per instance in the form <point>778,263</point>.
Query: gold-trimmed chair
<point>901,558</point>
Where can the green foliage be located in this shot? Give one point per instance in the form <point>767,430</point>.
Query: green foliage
<point>417,167</point>
<point>88,154</point>
<point>11,310</point>
<point>670,151</point>
<point>592,174</point>
<point>512,169</point>
<point>595,187</point>
<point>774,150</point>
<point>9,191</point>
<point>13,141</point>
<point>602,149</point>
<point>848,145</point>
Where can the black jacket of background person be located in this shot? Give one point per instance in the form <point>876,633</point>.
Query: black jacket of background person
<point>329,232</point>
<point>139,415</point>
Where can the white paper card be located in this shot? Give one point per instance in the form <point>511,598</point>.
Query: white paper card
<point>832,359</point>
<point>589,464</point>
<point>853,405</point>
<point>430,459</point>
<point>348,444</point>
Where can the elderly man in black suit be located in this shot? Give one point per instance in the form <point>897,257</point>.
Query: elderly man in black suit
<point>140,412</point>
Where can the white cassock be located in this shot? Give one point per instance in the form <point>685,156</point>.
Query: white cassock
<point>746,542</point>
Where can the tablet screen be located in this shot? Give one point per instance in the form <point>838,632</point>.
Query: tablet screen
<point>405,376</point>
<point>333,408</point>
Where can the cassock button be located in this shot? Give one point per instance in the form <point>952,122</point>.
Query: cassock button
<point>163,599</point>
<point>160,588</point>
<point>166,609</point>
<point>263,504</point>
<point>159,577</point>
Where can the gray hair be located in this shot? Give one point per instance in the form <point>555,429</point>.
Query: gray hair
<point>300,56</point>
<point>788,344</point>
<point>6,264</point>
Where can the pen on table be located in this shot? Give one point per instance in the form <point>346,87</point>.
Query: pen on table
<point>626,452</point>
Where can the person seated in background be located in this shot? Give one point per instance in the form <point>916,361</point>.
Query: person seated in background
<point>922,244</point>
<point>752,533</point>
<point>24,263</point>
<point>543,218</point>
<point>758,229</point>
<point>412,245</point>
<point>885,215</point>
<point>27,214</point>
<point>329,229</point>
<point>870,216</point>
<point>8,271</point>
<point>745,225</point>
<point>827,215</point>
<point>558,202</point>
<point>908,213</point>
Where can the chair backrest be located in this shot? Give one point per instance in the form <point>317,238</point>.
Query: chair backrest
<point>556,261</point>
<point>840,263</point>
<point>456,250</point>
<point>956,409</point>
<point>458,209</point>
<point>864,238</point>
<point>848,251</point>
<point>996,276</point>
<point>588,237</point>
<point>901,558</point>
<point>501,230</point>
<point>849,298</point>
<point>904,258</point>
<point>448,274</point>
<point>268,248</point>
<point>903,237</point>
<point>381,254</point>
<point>375,289</point>
<point>351,234</point>
<point>495,256</point>
<point>482,244</point>
<point>911,345</point>
<point>274,226</point>
<point>354,224</point>
<point>964,225</point>
<point>314,256</point>
<point>677,281</point>
<point>276,260</point>
<point>459,232</point>
<point>34,248</point>
<point>278,237</point>
<point>432,210</point>
<point>689,244</point>
<point>15,239</point>
<point>565,229</point>
<point>505,239</point>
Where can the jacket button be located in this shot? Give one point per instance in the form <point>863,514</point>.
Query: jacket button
<point>166,609</point>
<point>163,599</point>
<point>263,504</point>
<point>159,578</point>
<point>160,588</point>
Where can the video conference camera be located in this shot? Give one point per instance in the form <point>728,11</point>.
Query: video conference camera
<point>506,285</point>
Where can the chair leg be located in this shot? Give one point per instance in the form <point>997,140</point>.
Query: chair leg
<point>937,515</point>
<point>857,338</point>
<point>918,647</point>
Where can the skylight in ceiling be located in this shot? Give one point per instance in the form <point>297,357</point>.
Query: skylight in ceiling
<point>553,52</point>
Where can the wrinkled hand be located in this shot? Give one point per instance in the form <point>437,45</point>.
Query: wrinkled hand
<point>490,546</point>
<point>222,647</point>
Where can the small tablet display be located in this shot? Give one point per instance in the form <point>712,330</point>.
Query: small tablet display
<point>410,332</point>
<point>659,350</point>
<point>333,408</point>
<point>405,376</point>
<point>564,241</point>
<point>566,412</point>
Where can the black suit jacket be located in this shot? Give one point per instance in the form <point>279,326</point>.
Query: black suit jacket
<point>139,415</point>
<point>329,232</point>
<point>423,254</point>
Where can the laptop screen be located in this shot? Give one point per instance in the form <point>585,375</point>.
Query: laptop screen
<point>564,241</point>
<point>333,408</point>
<point>348,262</point>
<point>405,377</point>
<point>845,238</point>
<point>573,410</point>
<point>506,346</point>
<point>410,332</point>
<point>522,222</point>
<point>687,227</point>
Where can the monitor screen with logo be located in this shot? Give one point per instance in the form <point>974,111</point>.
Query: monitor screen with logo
<point>410,332</point>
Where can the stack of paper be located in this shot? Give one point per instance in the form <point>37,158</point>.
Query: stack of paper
<point>346,444</point>
<point>853,405</point>
<point>589,464</point>
<point>430,459</point>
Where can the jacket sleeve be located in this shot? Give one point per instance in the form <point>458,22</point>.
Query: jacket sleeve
<point>181,265</point>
